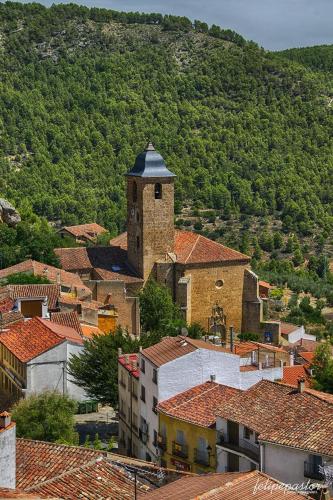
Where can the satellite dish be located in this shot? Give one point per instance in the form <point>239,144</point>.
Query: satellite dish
<point>184,332</point>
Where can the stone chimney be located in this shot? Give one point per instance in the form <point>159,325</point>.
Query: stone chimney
<point>7,451</point>
<point>301,385</point>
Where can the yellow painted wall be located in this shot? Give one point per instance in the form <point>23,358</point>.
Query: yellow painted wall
<point>191,433</point>
<point>107,323</point>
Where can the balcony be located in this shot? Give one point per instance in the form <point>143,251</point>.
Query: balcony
<point>243,447</point>
<point>312,471</point>
<point>201,457</point>
<point>179,450</point>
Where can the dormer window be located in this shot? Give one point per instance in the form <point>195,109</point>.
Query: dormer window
<point>158,191</point>
<point>135,192</point>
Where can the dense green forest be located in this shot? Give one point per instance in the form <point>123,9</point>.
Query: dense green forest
<point>248,132</point>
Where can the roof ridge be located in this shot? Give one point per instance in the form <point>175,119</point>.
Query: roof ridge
<point>195,244</point>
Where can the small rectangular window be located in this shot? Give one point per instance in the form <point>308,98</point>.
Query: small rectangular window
<point>155,376</point>
<point>143,366</point>
<point>154,404</point>
<point>143,393</point>
<point>247,433</point>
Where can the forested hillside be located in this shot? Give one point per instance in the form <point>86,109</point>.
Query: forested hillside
<point>82,90</point>
<point>319,57</point>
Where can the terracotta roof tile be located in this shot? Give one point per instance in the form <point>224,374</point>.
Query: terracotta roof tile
<point>291,375</point>
<point>306,345</point>
<point>28,339</point>
<point>107,263</point>
<point>287,328</point>
<point>10,318</point>
<point>242,348</point>
<point>307,356</point>
<point>52,292</point>
<point>199,404</point>
<point>50,272</point>
<point>307,417</point>
<point>225,486</point>
<point>89,231</point>
<point>265,284</point>
<point>192,248</point>
<point>170,348</point>
<point>70,472</point>
<point>130,362</point>
<point>89,330</point>
<point>70,319</point>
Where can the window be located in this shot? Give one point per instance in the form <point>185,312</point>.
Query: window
<point>137,217</point>
<point>138,242</point>
<point>155,442</point>
<point>143,365</point>
<point>256,436</point>
<point>247,433</point>
<point>154,404</point>
<point>158,191</point>
<point>180,438</point>
<point>135,192</point>
<point>155,376</point>
<point>143,393</point>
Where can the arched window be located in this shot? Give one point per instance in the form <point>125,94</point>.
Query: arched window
<point>158,191</point>
<point>135,192</point>
<point>138,242</point>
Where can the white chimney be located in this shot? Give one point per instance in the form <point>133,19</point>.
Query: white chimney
<point>291,359</point>
<point>7,451</point>
<point>301,385</point>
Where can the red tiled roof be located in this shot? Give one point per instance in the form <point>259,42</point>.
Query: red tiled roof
<point>307,416</point>
<point>192,248</point>
<point>108,263</point>
<point>130,362</point>
<point>306,345</point>
<point>70,472</point>
<point>287,328</point>
<point>249,346</point>
<point>50,272</point>
<point>170,348</point>
<point>307,356</point>
<point>6,303</point>
<point>291,374</point>
<point>264,284</point>
<point>52,292</point>
<point>199,404</point>
<point>88,231</point>
<point>89,331</point>
<point>28,339</point>
<point>225,486</point>
<point>10,318</point>
<point>70,319</point>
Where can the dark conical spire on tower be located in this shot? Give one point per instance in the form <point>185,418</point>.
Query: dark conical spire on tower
<point>150,163</point>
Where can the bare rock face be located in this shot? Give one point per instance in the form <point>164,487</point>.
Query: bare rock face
<point>8,213</point>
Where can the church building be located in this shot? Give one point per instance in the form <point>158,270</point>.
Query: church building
<point>213,284</point>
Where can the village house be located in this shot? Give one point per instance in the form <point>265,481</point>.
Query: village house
<point>281,430</point>
<point>83,233</point>
<point>213,284</point>
<point>34,355</point>
<point>176,364</point>
<point>294,333</point>
<point>187,427</point>
<point>30,300</point>
<point>129,410</point>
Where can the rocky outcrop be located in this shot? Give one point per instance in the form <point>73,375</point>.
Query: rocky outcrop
<point>8,214</point>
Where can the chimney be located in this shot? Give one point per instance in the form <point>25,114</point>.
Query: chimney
<point>213,378</point>
<point>127,359</point>
<point>301,385</point>
<point>291,359</point>
<point>231,329</point>
<point>7,451</point>
<point>140,348</point>
<point>120,351</point>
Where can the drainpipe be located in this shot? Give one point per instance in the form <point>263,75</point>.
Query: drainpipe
<point>231,329</point>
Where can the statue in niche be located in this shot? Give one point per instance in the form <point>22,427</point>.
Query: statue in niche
<point>217,322</point>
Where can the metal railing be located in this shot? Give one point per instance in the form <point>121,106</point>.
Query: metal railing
<point>243,445</point>
<point>312,471</point>
<point>162,442</point>
<point>201,457</point>
<point>179,449</point>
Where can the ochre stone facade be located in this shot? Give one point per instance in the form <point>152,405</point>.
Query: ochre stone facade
<point>150,222</point>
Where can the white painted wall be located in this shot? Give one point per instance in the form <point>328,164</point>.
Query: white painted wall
<point>250,378</point>
<point>43,377</point>
<point>299,334</point>
<point>8,457</point>
<point>287,464</point>
<point>146,408</point>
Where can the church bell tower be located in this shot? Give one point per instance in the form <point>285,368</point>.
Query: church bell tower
<point>150,211</point>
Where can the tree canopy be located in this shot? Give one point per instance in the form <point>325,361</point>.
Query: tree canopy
<point>48,416</point>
